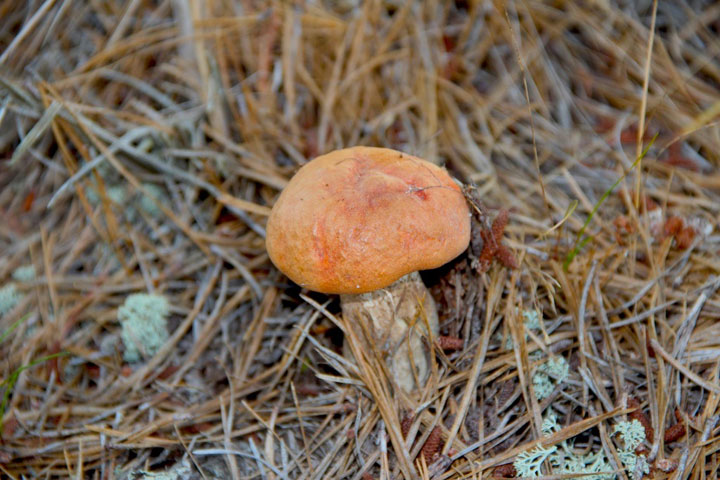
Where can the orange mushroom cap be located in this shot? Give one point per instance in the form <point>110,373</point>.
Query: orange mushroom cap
<point>358,219</point>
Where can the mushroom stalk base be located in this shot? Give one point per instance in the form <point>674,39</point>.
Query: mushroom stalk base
<point>397,318</point>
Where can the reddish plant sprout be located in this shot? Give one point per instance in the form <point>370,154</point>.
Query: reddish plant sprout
<point>678,415</point>
<point>673,225</point>
<point>432,444</point>
<point>406,423</point>
<point>685,238</point>
<point>450,343</point>
<point>684,234</point>
<point>675,433</point>
<point>505,471</point>
<point>492,244</point>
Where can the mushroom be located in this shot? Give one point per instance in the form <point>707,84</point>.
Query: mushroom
<point>361,222</point>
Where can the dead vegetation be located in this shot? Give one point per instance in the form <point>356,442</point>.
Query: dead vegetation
<point>144,142</point>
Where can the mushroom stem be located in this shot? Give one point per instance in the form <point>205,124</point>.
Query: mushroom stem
<point>398,317</point>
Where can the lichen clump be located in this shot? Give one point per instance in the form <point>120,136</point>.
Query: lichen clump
<point>550,374</point>
<point>9,298</point>
<point>26,273</point>
<point>143,318</point>
<point>565,459</point>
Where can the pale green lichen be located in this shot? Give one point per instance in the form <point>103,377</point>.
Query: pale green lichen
<point>143,318</point>
<point>529,464</point>
<point>632,433</point>
<point>549,375</point>
<point>556,367</point>
<point>25,273</point>
<point>635,465</point>
<point>628,458</point>
<point>531,321</point>
<point>591,463</point>
<point>542,386</point>
<point>550,425</point>
<point>179,471</point>
<point>115,193</point>
<point>9,298</point>
<point>146,202</point>
<point>562,458</point>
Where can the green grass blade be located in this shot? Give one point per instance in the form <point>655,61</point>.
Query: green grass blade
<point>12,327</point>
<point>568,212</point>
<point>581,240</point>
<point>9,383</point>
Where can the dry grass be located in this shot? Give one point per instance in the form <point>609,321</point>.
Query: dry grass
<point>540,105</point>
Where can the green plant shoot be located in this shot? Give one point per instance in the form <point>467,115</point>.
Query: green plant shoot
<point>581,240</point>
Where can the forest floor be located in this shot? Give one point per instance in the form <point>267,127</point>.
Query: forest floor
<point>143,143</point>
